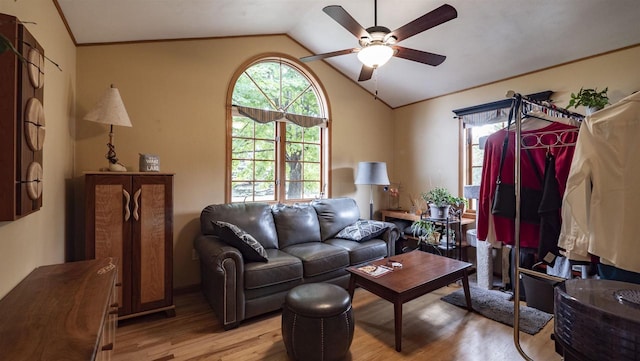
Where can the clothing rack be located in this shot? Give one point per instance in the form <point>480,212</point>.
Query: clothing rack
<point>518,101</point>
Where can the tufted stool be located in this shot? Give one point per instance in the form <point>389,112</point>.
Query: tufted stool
<point>317,322</point>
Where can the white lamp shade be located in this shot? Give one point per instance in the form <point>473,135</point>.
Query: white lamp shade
<point>375,55</point>
<point>109,110</point>
<point>372,173</point>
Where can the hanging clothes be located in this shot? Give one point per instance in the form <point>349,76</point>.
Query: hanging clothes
<point>603,193</point>
<point>549,211</point>
<point>505,227</point>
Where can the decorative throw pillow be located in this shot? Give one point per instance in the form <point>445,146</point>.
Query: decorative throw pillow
<point>362,230</point>
<point>250,248</point>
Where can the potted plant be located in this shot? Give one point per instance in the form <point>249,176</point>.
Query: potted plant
<point>424,231</point>
<point>592,99</point>
<point>440,200</point>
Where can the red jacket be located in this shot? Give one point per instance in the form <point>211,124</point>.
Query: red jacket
<point>504,227</point>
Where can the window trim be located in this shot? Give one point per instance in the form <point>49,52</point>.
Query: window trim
<point>324,103</point>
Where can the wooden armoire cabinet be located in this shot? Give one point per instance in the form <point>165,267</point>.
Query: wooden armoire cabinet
<point>129,215</point>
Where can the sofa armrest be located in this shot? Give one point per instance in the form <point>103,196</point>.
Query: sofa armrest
<point>390,236</point>
<point>222,279</point>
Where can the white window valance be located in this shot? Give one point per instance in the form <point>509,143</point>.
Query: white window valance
<point>484,118</point>
<point>266,116</point>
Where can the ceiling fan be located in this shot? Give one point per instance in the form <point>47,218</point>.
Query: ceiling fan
<point>378,43</point>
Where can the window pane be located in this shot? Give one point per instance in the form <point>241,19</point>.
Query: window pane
<point>294,171</point>
<point>265,191</point>
<point>311,171</point>
<point>246,93</point>
<point>476,175</point>
<point>265,150</point>
<point>267,77</point>
<point>266,131</point>
<point>307,104</point>
<point>477,155</point>
<point>242,170</point>
<point>311,189</point>
<point>294,133</point>
<point>242,148</point>
<point>294,152</point>
<point>293,84</point>
<point>242,127</point>
<point>311,153</point>
<point>312,135</point>
<point>241,190</point>
<point>294,190</point>
<point>265,171</point>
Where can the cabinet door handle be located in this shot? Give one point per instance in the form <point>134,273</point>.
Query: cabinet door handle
<point>136,197</point>
<point>127,197</point>
<point>107,347</point>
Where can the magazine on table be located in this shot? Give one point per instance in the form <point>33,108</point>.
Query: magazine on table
<point>375,271</point>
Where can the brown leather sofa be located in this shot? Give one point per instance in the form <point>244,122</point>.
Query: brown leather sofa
<point>300,248</point>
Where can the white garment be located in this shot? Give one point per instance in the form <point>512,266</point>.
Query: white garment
<point>603,189</point>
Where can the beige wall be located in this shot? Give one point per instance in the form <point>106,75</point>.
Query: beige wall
<point>426,134</point>
<point>39,239</point>
<point>175,94</point>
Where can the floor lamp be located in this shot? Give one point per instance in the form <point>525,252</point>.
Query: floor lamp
<point>372,173</point>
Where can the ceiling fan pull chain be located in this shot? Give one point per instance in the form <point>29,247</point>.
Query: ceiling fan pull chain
<point>375,79</point>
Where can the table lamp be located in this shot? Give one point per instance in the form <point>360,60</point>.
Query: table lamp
<point>372,173</point>
<point>110,110</point>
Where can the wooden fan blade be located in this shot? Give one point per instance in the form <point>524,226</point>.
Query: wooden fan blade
<point>419,56</point>
<point>365,73</point>
<point>328,55</point>
<point>433,18</point>
<point>342,17</point>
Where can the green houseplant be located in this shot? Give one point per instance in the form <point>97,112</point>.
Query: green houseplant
<point>440,199</point>
<point>592,99</point>
<point>423,230</point>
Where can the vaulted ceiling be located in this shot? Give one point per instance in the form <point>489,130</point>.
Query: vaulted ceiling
<point>489,40</point>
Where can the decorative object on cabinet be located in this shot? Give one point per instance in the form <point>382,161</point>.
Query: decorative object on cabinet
<point>21,120</point>
<point>149,163</point>
<point>110,110</point>
<point>130,216</point>
<point>372,173</point>
<point>592,99</point>
<point>61,312</point>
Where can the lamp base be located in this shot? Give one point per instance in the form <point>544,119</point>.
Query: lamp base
<point>117,167</point>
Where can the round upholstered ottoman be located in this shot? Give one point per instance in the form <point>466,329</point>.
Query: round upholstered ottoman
<point>317,322</point>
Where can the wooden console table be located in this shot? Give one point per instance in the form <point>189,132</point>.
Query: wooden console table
<point>61,312</point>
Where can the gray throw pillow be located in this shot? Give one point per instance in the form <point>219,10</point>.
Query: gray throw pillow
<point>250,248</point>
<point>362,230</point>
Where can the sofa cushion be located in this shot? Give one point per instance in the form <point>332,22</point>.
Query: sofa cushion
<point>318,258</point>
<point>363,230</point>
<point>296,224</point>
<point>250,248</point>
<point>255,218</point>
<point>281,268</point>
<point>361,252</point>
<point>334,214</point>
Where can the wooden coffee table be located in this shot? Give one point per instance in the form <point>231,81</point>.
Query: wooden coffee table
<point>420,274</point>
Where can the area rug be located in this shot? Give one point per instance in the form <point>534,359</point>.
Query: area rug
<point>495,305</point>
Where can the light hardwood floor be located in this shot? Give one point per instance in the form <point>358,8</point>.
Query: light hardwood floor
<point>432,330</point>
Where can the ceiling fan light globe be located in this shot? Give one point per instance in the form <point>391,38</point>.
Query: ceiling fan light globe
<point>375,56</point>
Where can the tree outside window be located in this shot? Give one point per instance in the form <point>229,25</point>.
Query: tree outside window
<point>272,157</point>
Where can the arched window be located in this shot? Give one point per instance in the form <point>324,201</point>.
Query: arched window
<point>277,133</point>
